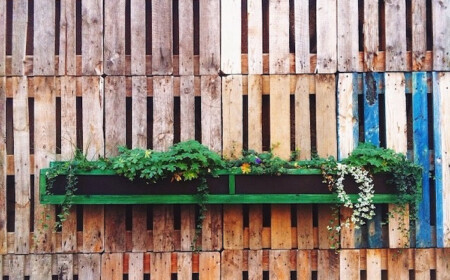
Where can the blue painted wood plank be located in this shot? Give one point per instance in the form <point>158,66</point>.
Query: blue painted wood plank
<point>438,162</point>
<point>422,155</point>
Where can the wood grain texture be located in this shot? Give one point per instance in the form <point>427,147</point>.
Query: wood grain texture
<point>211,112</point>
<point>280,226</point>
<point>186,37</point>
<point>395,26</point>
<point>93,228</point>
<point>163,117</point>
<point>325,216</point>
<point>255,264</point>
<point>3,200</point>
<point>115,231</point>
<point>163,230</point>
<point>371,38</point>
<point>16,264</point>
<point>22,183</point>
<point>93,105</point>
<point>212,234</point>
<point>114,37</point>
<point>2,37</point>
<point>44,38</point>
<point>136,266</point>
<point>373,263</point>
<point>162,38</point>
<point>279,37</point>
<point>139,235</point>
<point>442,263</point>
<point>230,57</point>
<point>255,112</point>
<point>327,265</point>
<point>304,259</point>
<point>347,36</point>
<point>233,227</point>
<point>115,114</point>
<point>347,115</point>
<point>184,266</point>
<point>187,228</point>
<point>280,115</point>
<point>302,36</point>
<point>89,266</point>
<point>92,37</point>
<point>231,264</point>
<point>65,263</point>
<point>302,117</point>
<point>254,36</point>
<point>19,37</point>
<point>67,59</point>
<point>349,266</point>
<point>209,265</point>
<point>41,266</point>
<point>279,264</point>
<point>112,266</point>
<point>326,36</point>
<point>44,152</point>
<point>255,226</point>
<point>422,264</point>
<point>209,37</point>
<point>138,37</point>
<point>326,116</point>
<point>139,112</point>
<point>441,35</point>
<point>232,115</point>
<point>419,33</point>
<point>187,108</point>
<point>397,264</point>
<point>305,230</point>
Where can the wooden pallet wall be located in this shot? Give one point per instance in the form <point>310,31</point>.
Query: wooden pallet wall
<point>314,75</point>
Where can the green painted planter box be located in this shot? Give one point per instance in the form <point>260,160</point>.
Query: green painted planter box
<point>298,186</point>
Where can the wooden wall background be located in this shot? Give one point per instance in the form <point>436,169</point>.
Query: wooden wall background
<point>317,75</point>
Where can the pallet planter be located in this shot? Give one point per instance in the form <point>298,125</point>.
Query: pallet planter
<point>297,186</point>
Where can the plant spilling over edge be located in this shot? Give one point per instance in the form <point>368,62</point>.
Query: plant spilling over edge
<point>191,160</point>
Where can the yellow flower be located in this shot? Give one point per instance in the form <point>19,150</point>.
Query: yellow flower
<point>147,153</point>
<point>245,167</point>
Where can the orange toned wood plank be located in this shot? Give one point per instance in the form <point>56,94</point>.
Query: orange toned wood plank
<point>349,267</point>
<point>232,115</point>
<point>163,228</point>
<point>230,31</point>
<point>184,266</point>
<point>326,238</point>
<point>163,117</point>
<point>442,263</point>
<point>231,264</point>
<point>302,116</point>
<point>422,263</point>
<point>21,165</point>
<point>280,225</point>
<point>280,114</point>
<point>93,228</point>
<point>162,39</point>
<point>279,264</point>
<point>395,26</point>
<point>212,228</point>
<point>187,229</point>
<point>187,108</point>
<point>326,36</point>
<point>3,163</point>
<point>67,58</point>
<point>304,259</point>
<point>19,37</point>
<point>397,264</point>
<point>254,38</point>
<point>255,264</point>
<point>115,232</point>
<point>44,37</point>
<point>255,112</point>
<point>92,37</point>
<point>326,115</point>
<point>327,265</point>
<point>233,227</point>
<point>349,235</point>
<point>138,33</point>
<point>112,266</point>
<point>139,228</point>
<point>255,227</point>
<point>209,37</point>
<point>305,232</point>
<point>209,265</point>
<point>211,112</point>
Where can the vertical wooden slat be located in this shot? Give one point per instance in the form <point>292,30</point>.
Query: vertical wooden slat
<point>67,64</point>
<point>89,266</point>
<point>162,39</point>
<point>231,264</point>
<point>279,264</point>
<point>112,266</point>
<point>44,152</point>
<point>349,266</point>
<point>397,265</point>
<point>19,36</point>
<point>255,226</point>
<point>327,265</point>
<point>233,227</point>
<point>442,263</point>
<point>422,155</point>
<point>139,235</point>
<point>187,108</point>
<point>347,115</point>
<point>16,264</point>
<point>114,37</point>
<point>441,120</point>
<point>395,104</point>
<point>302,117</point>
<point>254,37</point>
<point>136,266</point>
<point>305,230</point>
<point>187,229</point>
<point>115,114</point>
<point>93,146</point>
<point>280,226</point>
<point>304,261</point>
<point>209,37</point>
<point>186,37</point>
<point>211,112</point>
<point>326,36</point>
<point>422,263</point>
<point>371,38</point>
<point>163,230</point>
<point>232,116</point>
<point>302,44</point>
<point>279,37</point>
<point>212,229</point>
<point>441,35</point>
<point>209,265</point>
<point>3,201</point>
<point>65,266</point>
<point>44,37</point>
<point>326,115</point>
<point>395,26</point>
<point>163,112</point>
<point>21,164</point>
<point>41,267</point>
<point>138,37</point>
<point>2,37</point>
<point>115,231</point>
<point>184,266</point>
<point>92,37</point>
<point>68,146</point>
<point>139,112</point>
<point>280,133</point>
<point>255,264</point>
<point>255,112</point>
<point>230,37</point>
<point>419,34</point>
<point>325,217</point>
<point>347,37</point>
<point>373,265</point>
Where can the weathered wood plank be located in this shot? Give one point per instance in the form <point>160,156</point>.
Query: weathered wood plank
<point>92,37</point>
<point>2,37</point>
<point>302,44</point>
<point>326,218</point>
<point>3,201</point>
<point>255,264</point>
<point>422,263</point>
<point>212,229</point>
<point>136,266</point>
<point>349,264</point>
<point>442,263</point>
<point>163,230</point>
<point>280,135</point>
<point>19,37</point>
<point>65,266</point>
<point>326,36</point>
<point>115,114</point>
<point>138,37</point>
<point>67,59</point>
<point>139,233</point>
<point>279,37</point>
<point>114,37</point>
<point>187,108</point>
<point>112,266</point>
<point>16,265</point>
<point>162,38</point>
<point>255,226</point>
<point>230,37</point>
<point>254,37</point>
<point>93,103</point>
<point>41,267</point>
<point>397,264</point>
<point>93,228</point>
<point>232,103</point>
<point>347,114</point>
<point>305,230</point>
<point>163,115</point>
<point>89,266</point>
<point>373,265</point>
<point>44,152</point>
<point>395,26</point>
<point>419,34</point>
<point>304,260</point>
<point>186,37</point>
<point>441,35</point>
<point>280,226</point>
<point>184,266</point>
<point>255,112</point>
<point>209,37</point>
<point>371,38</point>
<point>44,38</point>
<point>231,264</point>
<point>279,264</point>
<point>139,112</point>
<point>187,228</point>
<point>326,115</point>
<point>347,36</point>
<point>327,265</point>
<point>302,117</point>
<point>233,227</point>
<point>22,183</point>
<point>209,265</point>
<point>211,112</point>
<point>115,231</point>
